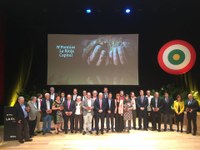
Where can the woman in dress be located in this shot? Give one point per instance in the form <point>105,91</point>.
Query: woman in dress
<point>57,108</point>
<point>179,111</point>
<point>127,113</point>
<point>118,113</point>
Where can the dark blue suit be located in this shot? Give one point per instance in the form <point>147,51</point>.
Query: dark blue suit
<point>110,117</point>
<point>99,115</point>
<point>156,116</point>
<point>142,114</point>
<point>70,108</point>
<point>192,116</point>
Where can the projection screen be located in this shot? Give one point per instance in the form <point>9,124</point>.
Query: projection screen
<point>92,59</point>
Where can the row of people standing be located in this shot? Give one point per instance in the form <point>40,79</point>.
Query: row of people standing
<point>118,111</point>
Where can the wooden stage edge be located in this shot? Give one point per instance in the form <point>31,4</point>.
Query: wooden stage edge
<point>136,139</point>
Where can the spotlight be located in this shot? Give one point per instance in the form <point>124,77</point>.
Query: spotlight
<point>88,11</point>
<point>127,11</point>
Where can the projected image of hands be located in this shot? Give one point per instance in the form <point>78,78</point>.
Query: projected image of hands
<point>105,51</point>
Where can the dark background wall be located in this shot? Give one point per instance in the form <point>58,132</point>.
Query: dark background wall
<point>156,21</point>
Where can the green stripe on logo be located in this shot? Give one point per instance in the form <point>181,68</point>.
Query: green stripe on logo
<point>176,57</point>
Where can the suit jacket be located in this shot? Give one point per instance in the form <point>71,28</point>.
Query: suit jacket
<point>140,104</point>
<point>194,106</point>
<point>112,107</point>
<point>159,104</point>
<point>55,94</point>
<point>97,106</point>
<point>74,97</point>
<point>71,107</point>
<point>33,111</point>
<point>81,106</point>
<point>38,104</point>
<point>167,106</point>
<point>19,114</point>
<point>85,105</point>
<point>44,106</point>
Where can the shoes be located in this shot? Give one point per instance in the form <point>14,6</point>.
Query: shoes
<point>97,133</point>
<point>43,133</point>
<point>65,132</point>
<point>72,131</point>
<point>159,130</point>
<point>21,141</point>
<point>102,132</point>
<point>84,132</point>
<point>107,131</point>
<point>90,132</point>
<point>28,140</point>
<point>171,130</point>
<point>165,130</point>
<point>194,134</point>
<point>75,132</point>
<point>113,130</point>
<point>188,132</point>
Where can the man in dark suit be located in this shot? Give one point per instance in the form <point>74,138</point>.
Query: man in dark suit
<point>142,103</point>
<point>168,112</point>
<point>191,108</point>
<point>52,93</point>
<point>75,94</point>
<point>110,112</point>
<point>105,93</point>
<point>46,108</point>
<point>69,110</point>
<point>156,105</point>
<point>100,109</point>
<point>21,117</point>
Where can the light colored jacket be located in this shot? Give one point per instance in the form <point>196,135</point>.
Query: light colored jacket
<point>120,107</point>
<point>33,111</point>
<point>85,105</point>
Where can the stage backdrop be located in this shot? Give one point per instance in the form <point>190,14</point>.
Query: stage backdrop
<point>92,59</point>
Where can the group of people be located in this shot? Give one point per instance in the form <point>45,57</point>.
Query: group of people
<point>83,113</point>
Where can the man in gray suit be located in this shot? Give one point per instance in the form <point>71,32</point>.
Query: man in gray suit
<point>32,115</point>
<point>88,106</point>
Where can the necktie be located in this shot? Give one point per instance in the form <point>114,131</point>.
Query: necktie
<point>156,103</point>
<point>68,104</point>
<point>100,101</point>
<point>142,99</point>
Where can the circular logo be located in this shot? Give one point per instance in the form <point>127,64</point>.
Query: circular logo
<point>177,57</point>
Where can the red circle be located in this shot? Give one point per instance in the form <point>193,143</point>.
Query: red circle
<point>179,71</point>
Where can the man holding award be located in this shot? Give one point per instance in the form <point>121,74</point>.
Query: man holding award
<point>191,108</point>
<point>157,106</point>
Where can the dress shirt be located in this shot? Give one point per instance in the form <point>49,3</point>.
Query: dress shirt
<point>48,104</point>
<point>24,110</point>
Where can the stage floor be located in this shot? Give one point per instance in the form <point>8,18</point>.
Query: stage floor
<point>151,140</point>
